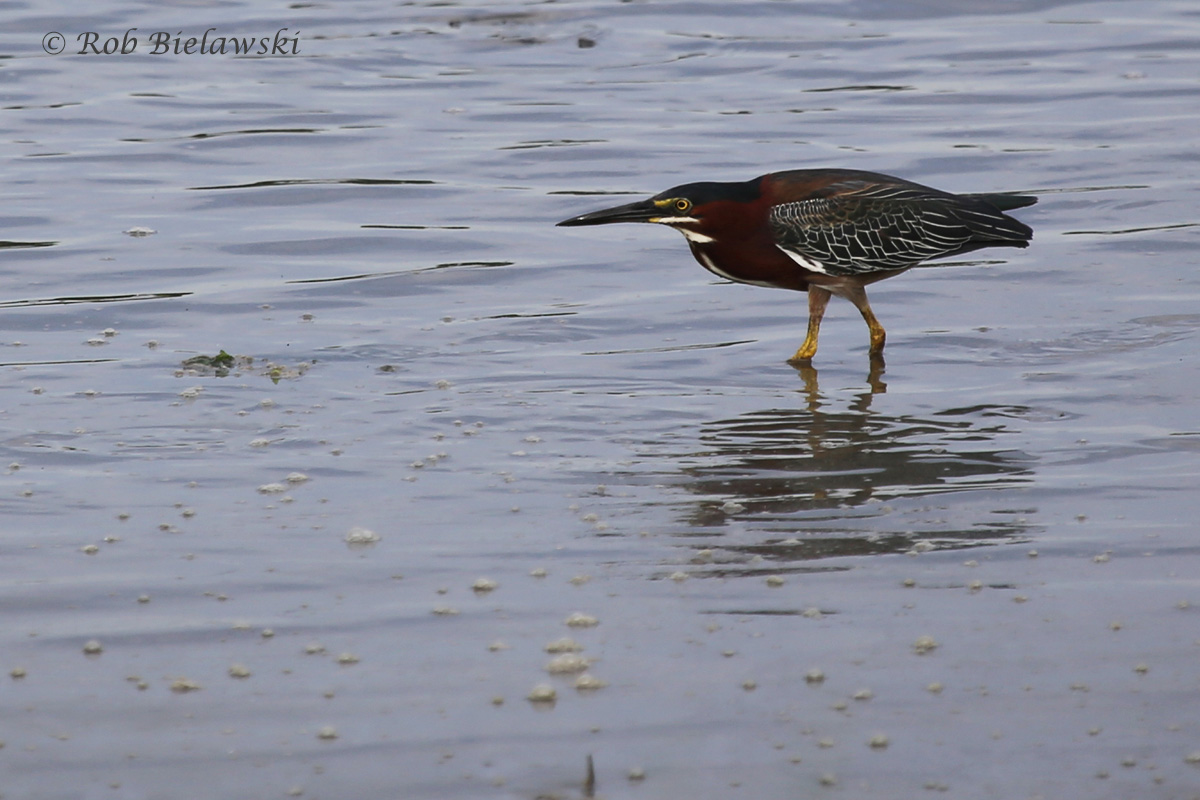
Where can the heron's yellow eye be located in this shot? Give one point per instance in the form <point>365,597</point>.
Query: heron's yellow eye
<point>682,204</point>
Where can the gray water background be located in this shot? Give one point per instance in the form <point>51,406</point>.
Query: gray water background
<point>371,221</point>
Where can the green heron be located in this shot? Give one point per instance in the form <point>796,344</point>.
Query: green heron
<point>825,231</point>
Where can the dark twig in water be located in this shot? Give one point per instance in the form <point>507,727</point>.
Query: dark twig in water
<point>589,782</point>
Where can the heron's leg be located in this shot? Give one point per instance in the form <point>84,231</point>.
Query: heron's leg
<point>818,298</point>
<point>858,296</point>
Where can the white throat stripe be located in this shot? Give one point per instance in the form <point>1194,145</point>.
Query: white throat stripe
<point>698,238</point>
<point>712,267</point>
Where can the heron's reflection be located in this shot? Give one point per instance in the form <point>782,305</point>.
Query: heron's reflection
<point>875,384</point>
<point>820,479</point>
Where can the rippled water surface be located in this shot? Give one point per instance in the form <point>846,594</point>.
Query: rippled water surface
<point>972,574</point>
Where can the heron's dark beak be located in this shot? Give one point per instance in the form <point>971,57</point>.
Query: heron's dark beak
<point>641,211</point>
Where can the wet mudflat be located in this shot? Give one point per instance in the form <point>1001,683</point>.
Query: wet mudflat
<point>453,436</point>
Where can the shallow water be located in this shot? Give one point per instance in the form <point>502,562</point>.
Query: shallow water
<point>371,221</point>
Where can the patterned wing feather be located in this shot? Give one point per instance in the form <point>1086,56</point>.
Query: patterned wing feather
<point>889,227</point>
